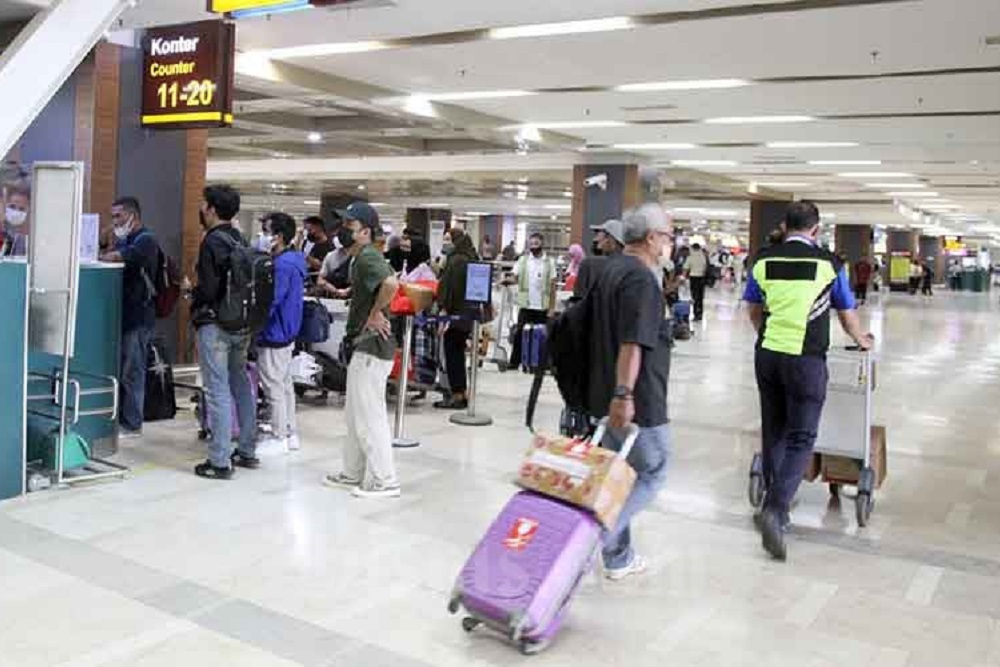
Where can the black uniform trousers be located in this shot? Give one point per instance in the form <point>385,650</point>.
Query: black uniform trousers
<point>698,284</point>
<point>792,392</point>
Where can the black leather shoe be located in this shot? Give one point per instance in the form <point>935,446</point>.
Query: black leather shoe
<point>241,461</point>
<point>209,471</point>
<point>772,535</point>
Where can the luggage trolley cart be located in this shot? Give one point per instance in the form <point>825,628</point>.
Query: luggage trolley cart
<point>845,429</point>
<point>505,318</point>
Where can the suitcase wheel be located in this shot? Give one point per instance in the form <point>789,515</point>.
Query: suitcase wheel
<point>454,604</point>
<point>532,648</point>
<point>469,624</point>
<point>203,434</point>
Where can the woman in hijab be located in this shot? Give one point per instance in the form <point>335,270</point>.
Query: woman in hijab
<point>576,256</point>
<point>459,250</point>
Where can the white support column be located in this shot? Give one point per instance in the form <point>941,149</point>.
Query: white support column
<point>44,55</point>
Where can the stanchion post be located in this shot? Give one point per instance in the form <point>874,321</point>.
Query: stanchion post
<point>470,418</point>
<point>399,440</point>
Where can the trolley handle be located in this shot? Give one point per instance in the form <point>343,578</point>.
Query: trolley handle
<point>633,435</point>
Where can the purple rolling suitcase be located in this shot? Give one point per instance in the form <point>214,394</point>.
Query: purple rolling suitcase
<point>201,410</point>
<point>533,346</point>
<point>523,573</point>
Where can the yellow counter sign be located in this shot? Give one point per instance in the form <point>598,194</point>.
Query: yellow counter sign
<point>226,6</point>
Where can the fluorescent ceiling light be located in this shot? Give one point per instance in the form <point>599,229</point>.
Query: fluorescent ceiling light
<point>558,207</point>
<point>684,209</point>
<point>476,213</point>
<point>312,202</point>
<point>812,144</point>
<point>719,212</point>
<point>875,174</point>
<point>567,125</point>
<point>656,147</point>
<point>900,186</point>
<point>315,50</point>
<point>788,184</point>
<point>845,163</point>
<point>475,95</point>
<point>434,205</point>
<point>748,120</point>
<point>700,84</point>
<point>314,137</point>
<point>419,106</point>
<point>568,193</point>
<point>911,194</point>
<point>377,203</point>
<point>566,28</point>
<point>704,163</point>
<point>828,216</point>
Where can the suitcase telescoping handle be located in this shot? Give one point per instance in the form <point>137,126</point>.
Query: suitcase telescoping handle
<point>630,438</point>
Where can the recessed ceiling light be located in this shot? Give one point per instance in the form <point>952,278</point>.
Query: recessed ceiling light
<point>899,186</point>
<point>314,50</point>
<point>565,28</point>
<point>656,147</point>
<point>567,193</point>
<point>875,174</point>
<point>700,84</point>
<point>361,186</point>
<point>812,144</point>
<point>558,207</point>
<point>312,202</point>
<point>314,137</point>
<point>784,184</point>
<point>719,212</point>
<point>911,194</point>
<point>704,163</point>
<point>748,120</point>
<point>845,163</point>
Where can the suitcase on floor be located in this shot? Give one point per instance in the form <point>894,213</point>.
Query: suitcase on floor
<point>522,576</point>
<point>160,401</point>
<point>533,346</point>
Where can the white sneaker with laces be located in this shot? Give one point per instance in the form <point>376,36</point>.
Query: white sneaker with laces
<point>293,443</point>
<point>376,491</point>
<point>637,566</point>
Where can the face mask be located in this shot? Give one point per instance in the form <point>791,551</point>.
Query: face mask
<point>447,248</point>
<point>346,237</point>
<point>121,233</point>
<point>264,242</point>
<point>15,217</point>
<point>311,237</point>
<point>537,252</point>
<point>595,249</point>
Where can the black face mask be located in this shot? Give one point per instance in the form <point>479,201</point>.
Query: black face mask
<point>537,252</point>
<point>595,249</point>
<point>346,237</point>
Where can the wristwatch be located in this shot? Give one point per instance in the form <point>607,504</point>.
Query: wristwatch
<point>621,393</point>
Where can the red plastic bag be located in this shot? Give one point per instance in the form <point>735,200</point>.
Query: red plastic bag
<point>401,304</point>
<point>397,367</point>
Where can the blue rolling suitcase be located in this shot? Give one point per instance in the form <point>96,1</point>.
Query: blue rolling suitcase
<point>533,347</point>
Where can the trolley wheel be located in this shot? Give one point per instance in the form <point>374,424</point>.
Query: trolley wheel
<point>469,624</point>
<point>863,505</point>
<point>203,434</point>
<point>834,489</point>
<point>755,489</point>
<point>453,605</point>
<point>755,492</point>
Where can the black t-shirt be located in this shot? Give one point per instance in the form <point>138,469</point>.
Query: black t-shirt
<point>628,308</point>
<point>320,250</point>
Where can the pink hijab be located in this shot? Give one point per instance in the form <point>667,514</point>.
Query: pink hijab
<point>576,255</point>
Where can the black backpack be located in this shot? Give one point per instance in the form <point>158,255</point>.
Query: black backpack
<point>568,358</point>
<point>246,304</point>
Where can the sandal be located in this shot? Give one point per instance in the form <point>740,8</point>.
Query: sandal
<point>209,471</point>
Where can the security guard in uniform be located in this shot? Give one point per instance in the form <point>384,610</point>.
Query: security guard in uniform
<point>791,289</point>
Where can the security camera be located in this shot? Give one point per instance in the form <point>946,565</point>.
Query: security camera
<point>597,180</point>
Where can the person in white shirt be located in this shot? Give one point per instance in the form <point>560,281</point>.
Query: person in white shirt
<point>696,268</point>
<point>535,273</point>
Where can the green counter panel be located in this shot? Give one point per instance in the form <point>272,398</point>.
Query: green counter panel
<point>14,287</point>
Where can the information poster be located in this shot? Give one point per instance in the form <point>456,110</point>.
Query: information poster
<point>90,227</point>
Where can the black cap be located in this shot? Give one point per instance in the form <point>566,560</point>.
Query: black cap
<point>364,213</point>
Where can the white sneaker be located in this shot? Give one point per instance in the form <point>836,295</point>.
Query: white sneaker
<point>293,444</point>
<point>637,566</point>
<point>340,480</point>
<point>271,446</point>
<point>376,491</point>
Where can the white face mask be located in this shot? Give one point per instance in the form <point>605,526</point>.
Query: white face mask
<point>15,217</point>
<point>264,242</point>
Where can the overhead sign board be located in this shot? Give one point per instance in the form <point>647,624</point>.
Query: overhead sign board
<point>226,6</point>
<point>187,79</point>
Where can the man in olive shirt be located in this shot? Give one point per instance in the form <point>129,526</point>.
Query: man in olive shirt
<point>369,469</point>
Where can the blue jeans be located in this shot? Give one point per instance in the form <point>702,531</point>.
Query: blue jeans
<point>132,390</point>
<point>222,357</point>
<point>649,458</point>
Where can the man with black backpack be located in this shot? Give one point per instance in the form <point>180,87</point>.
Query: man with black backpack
<point>137,249</point>
<point>225,310</point>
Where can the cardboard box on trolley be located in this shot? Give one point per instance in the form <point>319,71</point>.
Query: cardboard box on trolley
<point>579,472</point>
<point>846,470</point>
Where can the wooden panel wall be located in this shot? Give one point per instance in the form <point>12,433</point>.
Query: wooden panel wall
<point>194,183</point>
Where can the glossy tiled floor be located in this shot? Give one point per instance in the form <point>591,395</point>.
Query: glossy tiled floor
<point>274,569</point>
